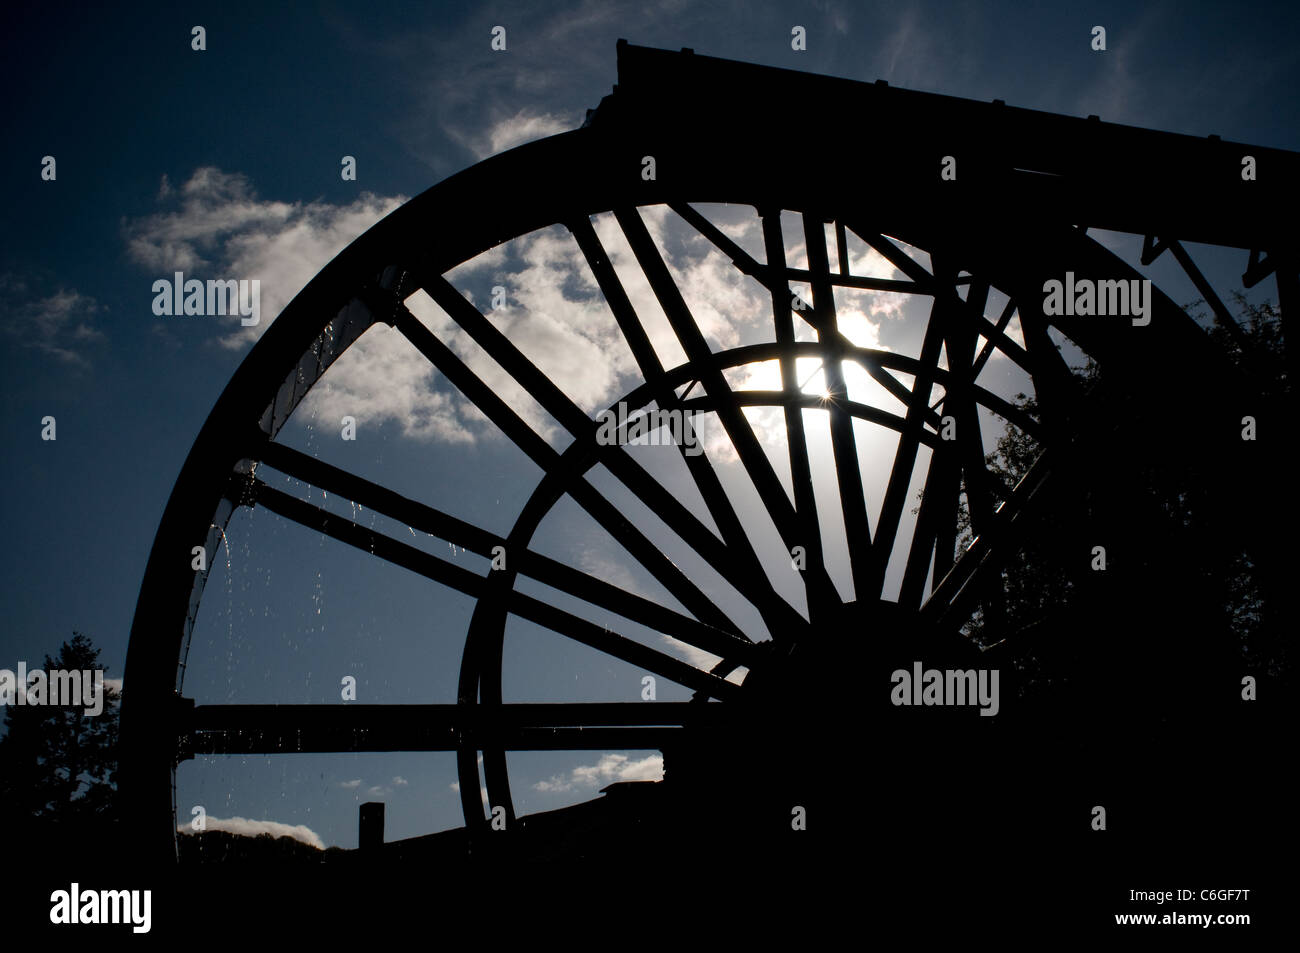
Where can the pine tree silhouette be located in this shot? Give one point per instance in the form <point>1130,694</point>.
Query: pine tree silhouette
<point>57,764</point>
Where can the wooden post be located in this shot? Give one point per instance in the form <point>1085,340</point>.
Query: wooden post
<point>372,826</point>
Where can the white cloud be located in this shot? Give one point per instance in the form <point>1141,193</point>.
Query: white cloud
<point>375,790</point>
<point>455,786</point>
<point>609,769</point>
<point>695,656</point>
<point>217,227</point>
<point>58,324</point>
<point>248,828</point>
<point>611,571</point>
<point>381,377</point>
<point>555,318</point>
<point>553,315</point>
<point>215,208</point>
<point>214,225</point>
<point>719,302</point>
<point>221,229</point>
<point>53,314</point>
<point>525,125</point>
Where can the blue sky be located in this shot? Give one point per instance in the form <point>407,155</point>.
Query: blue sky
<point>225,163</point>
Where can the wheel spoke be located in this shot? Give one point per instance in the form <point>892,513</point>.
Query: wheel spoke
<point>805,502</point>
<point>777,278</point>
<point>463,580</point>
<point>922,277</point>
<point>935,529</point>
<point>775,611</point>
<point>1217,307</point>
<point>1057,391</point>
<point>616,458</point>
<point>959,338</point>
<point>900,476</point>
<point>474,539</point>
<point>896,257</point>
<point>583,726</point>
<point>950,597</point>
<point>697,351</point>
<point>590,499</point>
<point>987,350</point>
<point>848,470</point>
<point>934,525</point>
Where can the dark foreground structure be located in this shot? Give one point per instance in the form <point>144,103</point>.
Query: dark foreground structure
<point>1120,689</point>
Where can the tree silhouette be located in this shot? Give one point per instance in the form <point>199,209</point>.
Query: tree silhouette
<point>1165,540</point>
<point>59,764</point>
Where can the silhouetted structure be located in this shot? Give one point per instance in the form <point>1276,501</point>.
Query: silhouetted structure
<point>813,726</point>
<point>370,834</point>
